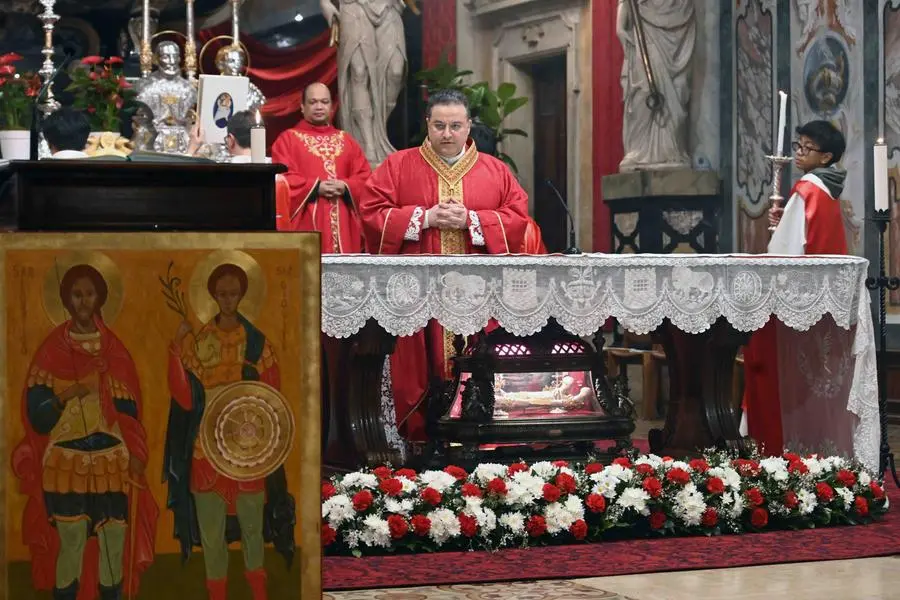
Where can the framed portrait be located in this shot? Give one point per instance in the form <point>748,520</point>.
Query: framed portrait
<point>160,416</point>
<point>219,98</point>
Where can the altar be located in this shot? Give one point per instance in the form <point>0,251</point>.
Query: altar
<point>701,308</point>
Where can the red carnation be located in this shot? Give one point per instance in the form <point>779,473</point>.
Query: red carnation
<point>551,492</point>
<point>846,478</point>
<point>328,534</point>
<point>861,505</point>
<point>653,487</point>
<point>595,503</point>
<point>824,492</point>
<point>431,496</point>
<point>408,473</point>
<point>10,57</point>
<point>790,457</point>
<point>657,519</point>
<point>699,465</point>
<point>710,517</point>
<point>579,529</point>
<point>678,476</point>
<point>382,472</point>
<point>622,462</point>
<point>536,526</point>
<point>397,526</point>
<point>592,468</point>
<point>468,525</point>
<point>666,459</point>
<point>456,472</point>
<point>92,60</point>
<point>755,497</point>
<point>114,60</point>
<point>798,466</point>
<point>790,499</point>
<point>566,483</point>
<point>391,487</point>
<point>759,518</point>
<point>560,463</point>
<point>747,468</point>
<point>644,469</point>
<point>421,525</point>
<point>328,490</point>
<point>516,468</point>
<point>496,486</point>
<point>877,490</point>
<point>362,500</point>
<point>471,490</point>
<point>715,485</point>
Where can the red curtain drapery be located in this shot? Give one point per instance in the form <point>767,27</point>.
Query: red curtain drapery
<point>279,73</point>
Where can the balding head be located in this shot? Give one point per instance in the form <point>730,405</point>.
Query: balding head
<point>317,104</point>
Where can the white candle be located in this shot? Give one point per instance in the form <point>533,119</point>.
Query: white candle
<point>782,122</point>
<point>258,141</point>
<point>881,176</point>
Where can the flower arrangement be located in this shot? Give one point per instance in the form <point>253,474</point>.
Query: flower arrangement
<point>17,92</point>
<point>497,506</point>
<point>101,90</point>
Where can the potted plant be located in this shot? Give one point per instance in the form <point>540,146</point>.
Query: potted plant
<point>100,90</point>
<point>17,93</point>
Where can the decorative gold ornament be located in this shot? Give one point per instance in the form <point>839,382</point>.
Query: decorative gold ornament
<point>247,430</point>
<point>53,305</point>
<point>205,306</point>
<point>108,143</point>
<point>243,48</point>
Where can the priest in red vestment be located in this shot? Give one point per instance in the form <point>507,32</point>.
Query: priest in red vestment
<point>443,197</point>
<point>811,222</point>
<point>326,172</point>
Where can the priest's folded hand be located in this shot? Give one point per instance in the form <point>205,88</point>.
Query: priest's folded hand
<point>447,216</point>
<point>332,188</point>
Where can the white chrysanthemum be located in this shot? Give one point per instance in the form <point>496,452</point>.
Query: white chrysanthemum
<point>846,495</point>
<point>437,480</point>
<point>736,500</point>
<point>730,477</point>
<point>814,465</point>
<point>605,484</point>
<point>575,506</point>
<point>338,509</point>
<point>514,521</point>
<point>650,459</point>
<point>635,498</point>
<point>679,464</point>
<point>619,472</point>
<point>375,532</point>
<point>776,467</point>
<point>444,525</point>
<point>689,505</point>
<point>352,538</point>
<point>524,488</point>
<point>545,469</point>
<point>558,518</point>
<point>488,471</point>
<point>408,484</point>
<point>568,471</point>
<point>834,462</point>
<point>359,480</point>
<point>400,507</point>
<point>807,501</point>
<point>486,519</point>
<point>473,503</point>
<point>864,479</point>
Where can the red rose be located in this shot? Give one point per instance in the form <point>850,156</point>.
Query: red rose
<point>468,525</point>
<point>114,60</point>
<point>398,526</point>
<point>595,503</point>
<point>566,483</point>
<point>516,468</point>
<point>644,469</point>
<point>653,487</point>
<point>824,492</point>
<point>877,490</point>
<point>328,534</point>
<point>551,492</point>
<point>790,499</point>
<point>622,462</point>
<point>431,496</point>
<point>327,490</point>
<point>710,517</point>
<point>497,486</point>
<point>714,485</point>
<point>861,505</point>
<point>362,500</point>
<point>657,519</point>
<point>92,60</point>
<point>391,487</point>
<point>560,463</point>
<point>536,526</point>
<point>456,472</point>
<point>421,525</point>
<point>408,473</point>
<point>472,490</point>
<point>579,529</point>
<point>591,468</point>
<point>10,57</point>
<point>798,466</point>
<point>678,476</point>
<point>846,478</point>
<point>759,518</point>
<point>382,472</point>
<point>790,457</point>
<point>755,497</point>
<point>699,465</point>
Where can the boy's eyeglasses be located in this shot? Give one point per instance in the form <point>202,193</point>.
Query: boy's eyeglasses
<point>801,149</point>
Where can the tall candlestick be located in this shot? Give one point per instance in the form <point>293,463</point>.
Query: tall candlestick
<point>258,140</point>
<point>881,175</point>
<point>146,55</point>
<point>48,19</point>
<point>782,123</point>
<point>190,47</point>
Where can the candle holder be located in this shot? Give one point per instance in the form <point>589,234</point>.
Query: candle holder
<point>776,199</point>
<point>48,20</point>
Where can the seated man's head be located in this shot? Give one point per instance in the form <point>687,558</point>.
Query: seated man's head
<point>67,129</point>
<point>237,139</point>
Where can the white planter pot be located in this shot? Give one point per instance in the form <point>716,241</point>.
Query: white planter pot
<point>15,144</point>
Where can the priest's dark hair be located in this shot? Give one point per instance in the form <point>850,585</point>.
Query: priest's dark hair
<point>826,137</point>
<point>239,126</point>
<point>446,98</point>
<point>67,129</point>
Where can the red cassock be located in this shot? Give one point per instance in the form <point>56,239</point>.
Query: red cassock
<point>393,209</point>
<point>312,154</point>
<point>534,243</point>
<point>812,223</point>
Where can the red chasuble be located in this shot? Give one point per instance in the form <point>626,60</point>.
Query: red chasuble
<point>393,209</point>
<point>313,154</point>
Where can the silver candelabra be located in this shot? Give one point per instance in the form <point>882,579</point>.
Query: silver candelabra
<point>776,199</point>
<point>48,19</point>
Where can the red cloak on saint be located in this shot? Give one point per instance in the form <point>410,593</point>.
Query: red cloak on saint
<point>401,189</point>
<point>316,153</point>
<point>65,359</point>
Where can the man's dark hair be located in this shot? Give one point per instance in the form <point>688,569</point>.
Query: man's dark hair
<point>67,129</point>
<point>239,126</point>
<point>446,98</point>
<point>826,137</point>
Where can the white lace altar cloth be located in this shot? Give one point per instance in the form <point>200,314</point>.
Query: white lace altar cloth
<point>402,293</point>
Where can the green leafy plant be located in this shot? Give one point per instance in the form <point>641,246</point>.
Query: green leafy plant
<point>101,90</point>
<point>17,93</point>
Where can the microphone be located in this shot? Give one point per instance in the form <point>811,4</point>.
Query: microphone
<point>573,247</point>
<point>35,113</point>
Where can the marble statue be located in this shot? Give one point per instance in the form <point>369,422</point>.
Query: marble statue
<point>232,60</point>
<point>654,127</point>
<point>171,98</point>
<point>371,67</point>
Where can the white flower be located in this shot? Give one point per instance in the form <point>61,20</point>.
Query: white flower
<point>408,484</point>
<point>605,484</point>
<point>473,503</point>
<point>544,469</point>
<point>523,489</point>
<point>736,500</point>
<point>864,479</point>
<point>678,464</point>
<point>488,471</point>
<point>375,532</point>
<point>729,476</point>
<point>352,538</point>
<point>400,507</point>
<point>635,498</point>
<point>689,504</point>
<point>775,466</point>
<point>575,506</point>
<point>558,518</point>
<point>437,480</point>
<point>814,465</point>
<point>619,472</point>
<point>514,521</point>
<point>846,495</point>
<point>808,501</point>
<point>650,459</point>
<point>359,480</point>
<point>833,462</point>
<point>444,525</point>
<point>338,509</point>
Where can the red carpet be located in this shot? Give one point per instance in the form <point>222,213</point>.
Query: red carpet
<point>618,558</point>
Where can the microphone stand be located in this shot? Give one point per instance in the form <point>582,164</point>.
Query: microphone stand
<point>573,246</point>
<point>35,108</point>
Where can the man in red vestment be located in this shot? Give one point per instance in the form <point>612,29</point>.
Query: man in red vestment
<point>326,172</point>
<point>443,197</point>
<point>810,223</point>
